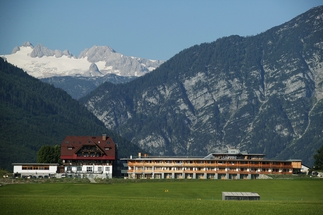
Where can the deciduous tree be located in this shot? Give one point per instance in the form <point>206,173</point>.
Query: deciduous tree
<point>49,154</point>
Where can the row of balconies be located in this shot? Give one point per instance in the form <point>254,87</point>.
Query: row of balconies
<point>138,168</point>
<point>284,171</point>
<point>272,165</point>
<point>206,162</point>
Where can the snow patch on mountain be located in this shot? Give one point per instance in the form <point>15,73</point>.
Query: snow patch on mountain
<point>97,61</point>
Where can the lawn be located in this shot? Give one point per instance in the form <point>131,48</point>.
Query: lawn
<point>279,196</point>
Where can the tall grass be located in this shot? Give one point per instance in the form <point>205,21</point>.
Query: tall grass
<point>163,197</point>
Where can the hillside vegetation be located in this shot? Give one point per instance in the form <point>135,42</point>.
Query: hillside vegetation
<point>33,114</point>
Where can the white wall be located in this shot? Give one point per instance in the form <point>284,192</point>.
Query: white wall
<point>105,169</point>
<point>18,169</point>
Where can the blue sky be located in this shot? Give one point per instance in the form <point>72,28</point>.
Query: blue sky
<point>142,28</point>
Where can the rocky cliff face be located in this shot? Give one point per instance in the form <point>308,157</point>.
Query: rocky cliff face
<point>261,94</point>
<point>113,61</point>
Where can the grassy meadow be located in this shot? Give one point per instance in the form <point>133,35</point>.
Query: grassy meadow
<point>278,196</point>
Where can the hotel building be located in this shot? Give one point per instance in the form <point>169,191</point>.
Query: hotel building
<point>231,165</point>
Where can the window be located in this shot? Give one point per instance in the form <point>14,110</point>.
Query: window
<point>79,168</point>
<point>99,169</point>
<point>89,169</point>
<point>107,169</point>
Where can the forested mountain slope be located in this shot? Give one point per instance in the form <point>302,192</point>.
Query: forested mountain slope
<point>260,93</point>
<point>78,86</point>
<point>33,114</point>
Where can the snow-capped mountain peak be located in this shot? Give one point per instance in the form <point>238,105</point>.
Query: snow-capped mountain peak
<point>40,51</point>
<point>17,48</point>
<point>42,62</point>
<point>98,53</point>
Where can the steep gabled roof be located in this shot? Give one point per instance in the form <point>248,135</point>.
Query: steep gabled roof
<point>71,145</point>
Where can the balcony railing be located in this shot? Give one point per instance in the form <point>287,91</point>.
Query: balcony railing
<point>221,171</point>
<point>217,165</point>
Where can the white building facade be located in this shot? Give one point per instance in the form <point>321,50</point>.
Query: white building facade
<point>36,170</point>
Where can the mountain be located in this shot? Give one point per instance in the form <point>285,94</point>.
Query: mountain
<point>33,114</point>
<point>79,86</point>
<point>79,75</point>
<point>98,61</point>
<point>261,93</point>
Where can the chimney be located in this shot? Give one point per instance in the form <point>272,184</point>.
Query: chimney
<point>104,137</point>
<point>139,154</point>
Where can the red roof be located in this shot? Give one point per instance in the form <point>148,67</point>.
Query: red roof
<point>72,147</point>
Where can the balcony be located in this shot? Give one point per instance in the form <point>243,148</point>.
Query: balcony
<point>279,173</point>
<point>160,167</point>
<point>222,171</point>
<point>244,172</point>
<point>189,171</point>
<point>140,171</point>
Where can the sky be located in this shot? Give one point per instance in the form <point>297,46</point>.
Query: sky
<point>151,29</point>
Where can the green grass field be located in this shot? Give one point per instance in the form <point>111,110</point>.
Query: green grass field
<point>279,196</point>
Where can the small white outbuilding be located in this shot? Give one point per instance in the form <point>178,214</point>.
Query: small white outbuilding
<point>36,170</point>
<point>240,196</point>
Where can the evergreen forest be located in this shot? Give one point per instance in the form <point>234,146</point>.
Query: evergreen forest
<point>34,114</point>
